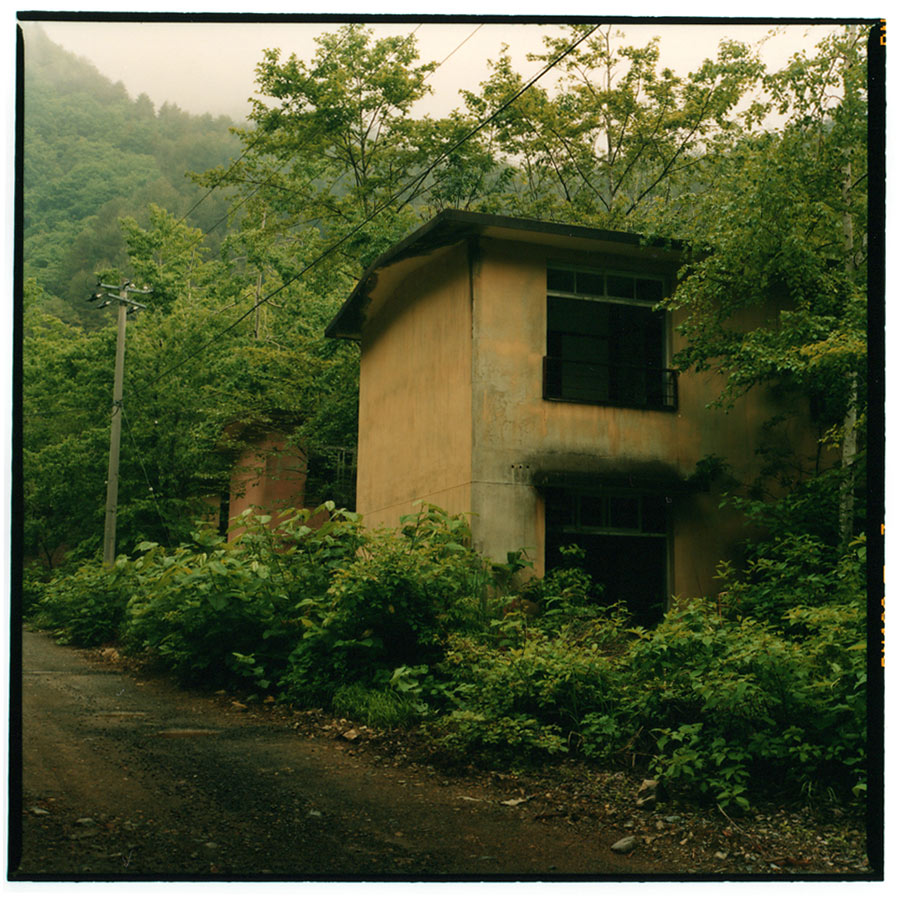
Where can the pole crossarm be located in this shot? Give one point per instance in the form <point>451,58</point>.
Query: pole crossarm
<point>123,290</point>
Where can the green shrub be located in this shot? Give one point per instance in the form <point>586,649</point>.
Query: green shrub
<point>34,583</point>
<point>396,628</point>
<point>784,572</point>
<point>226,613</point>
<point>466,734</point>
<point>85,607</point>
<point>394,604</point>
<point>604,735</point>
<point>195,608</point>
<point>697,759</point>
<point>796,557</point>
<point>736,704</point>
<point>534,692</point>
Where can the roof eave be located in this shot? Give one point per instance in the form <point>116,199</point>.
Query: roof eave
<point>450,226</point>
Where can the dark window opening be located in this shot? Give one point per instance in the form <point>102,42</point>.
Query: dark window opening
<point>224,509</point>
<point>623,536</point>
<point>601,351</point>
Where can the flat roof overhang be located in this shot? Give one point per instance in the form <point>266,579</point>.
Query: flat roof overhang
<point>451,226</point>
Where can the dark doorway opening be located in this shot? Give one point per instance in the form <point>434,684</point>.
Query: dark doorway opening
<point>624,539</point>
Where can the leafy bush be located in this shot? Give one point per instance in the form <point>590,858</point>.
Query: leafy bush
<point>532,691</point>
<point>604,735</point>
<point>565,588</point>
<point>798,560</point>
<point>394,604</point>
<point>472,735</point>
<point>735,703</point>
<point>395,628</point>
<point>85,607</point>
<point>33,587</point>
<point>722,707</point>
<point>785,572</point>
<point>195,608</point>
<point>226,613</point>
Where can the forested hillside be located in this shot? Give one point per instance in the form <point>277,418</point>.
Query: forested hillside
<point>93,155</point>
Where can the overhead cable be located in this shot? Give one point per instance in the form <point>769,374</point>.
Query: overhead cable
<point>417,180</point>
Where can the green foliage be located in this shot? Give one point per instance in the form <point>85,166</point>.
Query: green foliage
<point>227,613</point>
<point>734,703</point>
<point>385,629</point>
<point>603,736</point>
<point>394,604</point>
<point>539,690</point>
<point>797,560</point>
<point>308,602</point>
<point>472,735</point>
<point>332,143</point>
<point>616,142</point>
<point>722,708</point>
<point>201,610</point>
<point>32,590</point>
<point>377,707</point>
<point>64,441</point>
<point>93,155</point>
<point>774,289</point>
<point>708,763</point>
<point>566,592</point>
<point>86,607</point>
<point>177,449</point>
<point>539,681</point>
<point>769,687</point>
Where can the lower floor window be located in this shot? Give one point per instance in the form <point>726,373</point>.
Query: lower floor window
<point>624,539</point>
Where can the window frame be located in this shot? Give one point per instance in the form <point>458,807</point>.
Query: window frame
<point>575,500</point>
<point>668,375</point>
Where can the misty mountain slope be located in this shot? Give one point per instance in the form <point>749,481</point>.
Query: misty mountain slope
<point>93,155</point>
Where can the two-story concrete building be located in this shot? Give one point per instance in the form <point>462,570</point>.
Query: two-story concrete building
<point>521,371</point>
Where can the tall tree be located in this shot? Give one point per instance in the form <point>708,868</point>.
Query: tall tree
<point>783,230</point>
<point>616,143</point>
<point>332,144</point>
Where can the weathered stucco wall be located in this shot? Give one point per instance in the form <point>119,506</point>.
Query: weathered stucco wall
<point>268,477</point>
<point>517,433</point>
<point>452,409</point>
<point>415,394</point>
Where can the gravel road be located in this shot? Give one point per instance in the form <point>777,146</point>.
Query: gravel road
<point>125,775</point>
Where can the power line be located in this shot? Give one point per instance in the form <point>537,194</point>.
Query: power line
<point>259,136</point>
<point>247,149</point>
<point>417,180</point>
<point>463,41</point>
<point>140,457</point>
<point>503,106</point>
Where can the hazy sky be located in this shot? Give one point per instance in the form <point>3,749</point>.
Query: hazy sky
<point>209,67</point>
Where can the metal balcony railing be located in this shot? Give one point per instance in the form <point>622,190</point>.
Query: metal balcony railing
<point>635,386</point>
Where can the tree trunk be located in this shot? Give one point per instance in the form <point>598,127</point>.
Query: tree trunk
<point>849,444</point>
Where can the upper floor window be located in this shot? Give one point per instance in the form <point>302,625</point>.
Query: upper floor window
<point>606,342</point>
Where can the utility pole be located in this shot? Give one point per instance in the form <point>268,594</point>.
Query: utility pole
<point>126,305</point>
